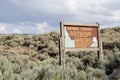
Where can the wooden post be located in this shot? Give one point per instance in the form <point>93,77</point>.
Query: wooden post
<point>63,59</point>
<point>98,54</point>
<point>61,55</point>
<point>62,46</point>
<point>101,50</point>
<point>60,51</point>
<point>99,44</point>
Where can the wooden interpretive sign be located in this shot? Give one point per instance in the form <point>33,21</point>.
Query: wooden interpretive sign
<point>78,37</point>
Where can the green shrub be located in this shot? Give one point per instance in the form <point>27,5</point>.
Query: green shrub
<point>99,74</point>
<point>17,77</point>
<point>4,64</point>
<point>8,75</point>
<point>28,75</point>
<point>1,76</point>
<point>81,75</point>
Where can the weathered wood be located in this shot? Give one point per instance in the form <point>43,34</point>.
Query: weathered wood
<point>100,52</point>
<point>82,49</point>
<point>60,51</point>
<point>80,24</point>
<point>62,45</point>
<point>65,49</point>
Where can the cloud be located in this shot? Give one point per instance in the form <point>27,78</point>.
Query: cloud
<point>38,16</point>
<point>26,28</point>
<point>2,29</point>
<point>44,27</point>
<point>52,7</point>
<point>116,16</point>
<point>17,31</point>
<point>71,10</point>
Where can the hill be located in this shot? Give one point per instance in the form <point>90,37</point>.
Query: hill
<point>36,57</point>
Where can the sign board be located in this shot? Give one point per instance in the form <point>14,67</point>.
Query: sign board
<point>80,36</point>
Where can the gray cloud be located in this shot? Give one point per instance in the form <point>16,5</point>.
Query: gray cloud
<point>26,28</point>
<point>53,9</point>
<point>51,12</point>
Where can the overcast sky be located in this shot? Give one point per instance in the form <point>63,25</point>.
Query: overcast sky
<point>40,16</point>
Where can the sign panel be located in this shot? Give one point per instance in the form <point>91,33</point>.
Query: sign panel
<point>80,36</point>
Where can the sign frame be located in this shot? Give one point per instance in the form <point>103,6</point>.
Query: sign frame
<point>62,24</point>
<point>62,40</point>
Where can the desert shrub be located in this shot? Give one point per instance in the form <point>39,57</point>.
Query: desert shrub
<point>41,46</point>
<point>52,48</point>
<point>72,74</point>
<point>31,65</point>
<point>14,40</point>
<point>42,57</point>
<point>8,75</point>
<point>33,54</point>
<point>114,61</point>
<point>36,37</point>
<point>26,43</point>
<point>35,43</point>
<point>28,37</point>
<point>95,74</point>
<point>74,62</point>
<point>20,63</point>
<point>4,64</point>
<point>28,74</point>
<point>90,76</point>
<point>46,72</point>
<point>13,44</point>
<point>44,39</point>
<point>101,63</point>
<point>90,60</point>
<point>81,75</point>
<point>1,76</point>
<point>107,45</point>
<point>69,74</point>
<point>89,69</point>
<point>16,68</point>
<point>117,29</point>
<point>31,46</point>
<point>79,54</point>
<point>54,36</point>
<point>17,77</point>
<point>8,37</point>
<point>51,61</point>
<point>99,74</point>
